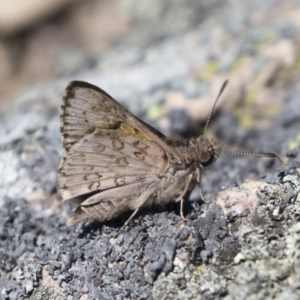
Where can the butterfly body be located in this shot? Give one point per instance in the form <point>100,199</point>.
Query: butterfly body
<point>114,162</point>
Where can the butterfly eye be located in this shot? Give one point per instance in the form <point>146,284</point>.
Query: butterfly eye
<point>206,158</point>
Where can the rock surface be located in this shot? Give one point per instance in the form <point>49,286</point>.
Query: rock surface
<point>243,245</point>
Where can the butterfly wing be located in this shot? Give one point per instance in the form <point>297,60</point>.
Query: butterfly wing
<point>108,159</point>
<point>87,108</point>
<point>111,203</point>
<point>112,160</point>
<point>112,172</point>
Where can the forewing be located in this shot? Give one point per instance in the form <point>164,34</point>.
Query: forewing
<point>86,109</point>
<point>109,159</point>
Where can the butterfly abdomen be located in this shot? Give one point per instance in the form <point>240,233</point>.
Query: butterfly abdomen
<point>102,211</point>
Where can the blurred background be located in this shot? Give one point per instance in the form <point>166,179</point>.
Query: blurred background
<point>157,56</point>
<point>165,60</point>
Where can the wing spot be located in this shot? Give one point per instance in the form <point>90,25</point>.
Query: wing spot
<point>93,176</point>
<point>96,108</point>
<point>88,168</point>
<point>94,185</point>
<point>119,181</point>
<point>139,155</point>
<point>104,105</point>
<point>121,162</point>
<point>98,149</point>
<point>139,145</point>
<point>117,144</point>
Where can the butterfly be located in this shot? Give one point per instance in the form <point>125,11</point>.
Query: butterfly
<point>114,162</point>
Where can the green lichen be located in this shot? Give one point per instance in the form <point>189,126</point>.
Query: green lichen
<point>266,266</point>
<point>250,115</point>
<point>238,64</point>
<point>297,62</point>
<point>209,70</point>
<point>294,143</point>
<point>156,112</point>
<point>265,39</point>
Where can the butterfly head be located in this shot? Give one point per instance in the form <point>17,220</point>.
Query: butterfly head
<point>208,150</point>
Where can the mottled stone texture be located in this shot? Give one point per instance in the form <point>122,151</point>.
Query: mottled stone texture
<point>243,245</point>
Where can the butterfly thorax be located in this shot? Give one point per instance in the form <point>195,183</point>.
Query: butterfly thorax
<point>195,154</point>
<point>200,152</point>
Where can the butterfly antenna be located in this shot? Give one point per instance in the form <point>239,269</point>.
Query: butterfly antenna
<point>213,108</point>
<point>266,154</point>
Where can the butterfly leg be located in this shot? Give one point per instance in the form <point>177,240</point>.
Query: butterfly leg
<point>199,183</point>
<point>183,194</point>
<point>125,224</point>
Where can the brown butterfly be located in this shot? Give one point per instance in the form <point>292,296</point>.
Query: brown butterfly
<point>114,162</point>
